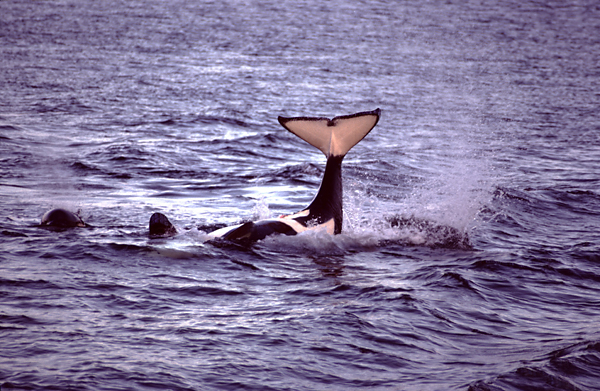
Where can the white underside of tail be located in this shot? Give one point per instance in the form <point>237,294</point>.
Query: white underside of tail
<point>333,137</point>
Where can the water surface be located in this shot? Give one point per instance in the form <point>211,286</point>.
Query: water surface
<point>489,128</point>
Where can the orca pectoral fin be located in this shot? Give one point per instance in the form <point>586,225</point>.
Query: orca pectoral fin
<point>333,137</point>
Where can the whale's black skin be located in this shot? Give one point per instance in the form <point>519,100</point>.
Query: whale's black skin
<point>325,207</point>
<point>327,204</point>
<point>253,231</point>
<point>161,226</point>
<point>334,137</point>
<point>61,218</point>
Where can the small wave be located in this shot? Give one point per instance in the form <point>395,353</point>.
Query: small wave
<point>8,128</point>
<point>191,119</point>
<point>304,173</point>
<point>17,322</point>
<point>72,106</point>
<point>198,290</point>
<point>576,367</point>
<point>83,167</point>
<point>30,284</point>
<point>207,119</point>
<point>13,234</point>
<point>586,251</point>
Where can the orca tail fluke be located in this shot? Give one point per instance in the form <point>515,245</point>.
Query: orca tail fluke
<point>334,137</point>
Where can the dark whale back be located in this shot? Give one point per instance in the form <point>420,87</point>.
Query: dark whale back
<point>61,218</point>
<point>160,225</point>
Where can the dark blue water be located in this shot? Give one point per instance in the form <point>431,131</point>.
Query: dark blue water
<point>490,129</point>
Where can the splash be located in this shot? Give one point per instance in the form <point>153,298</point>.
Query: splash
<point>453,197</point>
<point>437,209</point>
<point>261,210</point>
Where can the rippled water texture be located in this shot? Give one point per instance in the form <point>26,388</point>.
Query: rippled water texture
<point>469,257</point>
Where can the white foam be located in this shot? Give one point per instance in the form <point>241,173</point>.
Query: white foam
<point>455,186</point>
<point>261,210</point>
<point>319,242</point>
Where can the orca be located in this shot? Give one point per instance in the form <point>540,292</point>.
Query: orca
<point>161,226</point>
<point>334,137</point>
<point>61,218</point>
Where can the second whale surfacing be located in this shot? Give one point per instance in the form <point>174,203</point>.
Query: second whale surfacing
<point>62,218</point>
<point>334,137</point>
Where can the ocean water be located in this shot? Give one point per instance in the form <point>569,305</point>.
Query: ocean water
<point>489,134</point>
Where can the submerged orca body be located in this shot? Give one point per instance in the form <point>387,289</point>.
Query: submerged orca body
<point>61,218</point>
<point>334,137</point>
